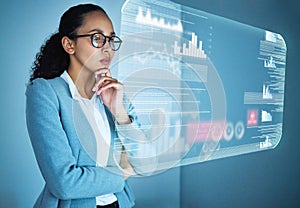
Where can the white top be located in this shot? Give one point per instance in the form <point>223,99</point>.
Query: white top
<point>95,112</point>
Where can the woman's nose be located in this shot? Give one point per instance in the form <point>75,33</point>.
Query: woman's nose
<point>107,46</point>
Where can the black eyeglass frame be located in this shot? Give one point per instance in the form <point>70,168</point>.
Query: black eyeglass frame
<point>119,40</point>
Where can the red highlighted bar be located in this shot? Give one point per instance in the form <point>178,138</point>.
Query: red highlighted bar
<point>200,132</point>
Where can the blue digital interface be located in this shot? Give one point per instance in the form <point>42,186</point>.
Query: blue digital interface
<point>203,87</point>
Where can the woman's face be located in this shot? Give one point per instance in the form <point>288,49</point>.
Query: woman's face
<point>86,55</point>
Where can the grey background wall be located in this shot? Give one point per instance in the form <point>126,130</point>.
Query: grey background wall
<point>265,179</point>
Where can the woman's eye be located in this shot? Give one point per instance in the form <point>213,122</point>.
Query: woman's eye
<point>97,38</point>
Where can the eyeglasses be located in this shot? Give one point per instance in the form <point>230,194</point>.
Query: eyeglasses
<point>98,40</point>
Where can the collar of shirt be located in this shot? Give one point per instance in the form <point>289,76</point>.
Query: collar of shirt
<point>74,92</point>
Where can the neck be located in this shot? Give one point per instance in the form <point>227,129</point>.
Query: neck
<point>84,81</point>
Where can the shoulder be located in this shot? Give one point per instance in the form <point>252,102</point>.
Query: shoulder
<point>48,86</point>
<point>42,91</point>
<point>42,84</point>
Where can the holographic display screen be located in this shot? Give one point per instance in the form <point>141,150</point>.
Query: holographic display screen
<point>203,87</point>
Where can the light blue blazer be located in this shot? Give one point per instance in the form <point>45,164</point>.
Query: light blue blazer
<point>71,176</point>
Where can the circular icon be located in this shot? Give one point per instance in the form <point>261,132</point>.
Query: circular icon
<point>239,130</point>
<point>229,131</point>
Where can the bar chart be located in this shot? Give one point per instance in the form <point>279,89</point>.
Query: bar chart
<point>191,49</point>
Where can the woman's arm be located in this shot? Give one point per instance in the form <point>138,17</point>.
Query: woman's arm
<point>129,130</point>
<point>54,155</point>
<point>135,142</point>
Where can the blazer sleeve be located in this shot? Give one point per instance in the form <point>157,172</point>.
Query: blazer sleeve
<point>54,155</point>
<point>140,147</point>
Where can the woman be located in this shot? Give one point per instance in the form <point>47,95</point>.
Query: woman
<point>73,67</point>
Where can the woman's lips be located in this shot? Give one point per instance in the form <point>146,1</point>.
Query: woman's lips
<point>105,61</point>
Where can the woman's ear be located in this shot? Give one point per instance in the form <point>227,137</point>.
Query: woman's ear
<point>68,45</point>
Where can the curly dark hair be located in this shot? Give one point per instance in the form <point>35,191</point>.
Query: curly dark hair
<point>52,60</point>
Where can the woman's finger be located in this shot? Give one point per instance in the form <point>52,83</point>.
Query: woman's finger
<point>102,81</point>
<point>117,85</point>
<point>101,72</point>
